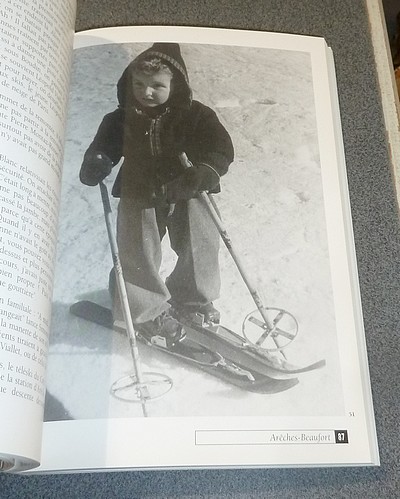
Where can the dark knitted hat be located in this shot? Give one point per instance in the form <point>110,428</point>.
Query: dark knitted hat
<point>170,53</point>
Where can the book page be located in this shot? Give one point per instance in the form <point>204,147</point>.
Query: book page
<point>35,53</point>
<point>284,204</point>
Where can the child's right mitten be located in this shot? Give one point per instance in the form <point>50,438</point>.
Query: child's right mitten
<point>95,168</point>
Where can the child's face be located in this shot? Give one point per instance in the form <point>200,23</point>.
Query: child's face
<point>152,90</point>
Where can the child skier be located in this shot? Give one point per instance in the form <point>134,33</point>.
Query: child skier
<point>155,123</point>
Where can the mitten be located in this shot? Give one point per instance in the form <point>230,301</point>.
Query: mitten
<point>198,178</point>
<point>95,168</point>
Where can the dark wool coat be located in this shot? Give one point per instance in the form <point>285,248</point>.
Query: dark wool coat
<point>150,139</point>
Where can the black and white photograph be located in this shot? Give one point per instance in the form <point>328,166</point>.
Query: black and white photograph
<point>197,239</point>
<point>161,126</point>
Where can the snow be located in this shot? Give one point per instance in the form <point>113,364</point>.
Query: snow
<point>272,205</point>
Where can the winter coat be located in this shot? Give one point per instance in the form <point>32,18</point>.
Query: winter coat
<point>150,140</point>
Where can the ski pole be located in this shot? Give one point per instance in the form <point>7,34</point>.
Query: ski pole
<point>213,211</point>
<point>141,386</point>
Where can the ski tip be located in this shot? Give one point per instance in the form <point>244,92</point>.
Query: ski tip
<point>81,305</point>
<point>311,367</point>
<point>272,386</point>
<point>318,365</point>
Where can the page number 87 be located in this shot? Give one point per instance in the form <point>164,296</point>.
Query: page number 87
<point>341,437</point>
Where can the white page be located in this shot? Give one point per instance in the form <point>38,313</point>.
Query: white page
<point>286,207</point>
<point>36,43</point>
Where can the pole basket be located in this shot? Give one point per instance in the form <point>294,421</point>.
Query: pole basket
<point>152,385</point>
<point>139,386</point>
<point>281,330</point>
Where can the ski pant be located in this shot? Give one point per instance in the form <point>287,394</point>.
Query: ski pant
<point>195,280</point>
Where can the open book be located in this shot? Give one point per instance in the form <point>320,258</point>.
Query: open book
<point>283,379</point>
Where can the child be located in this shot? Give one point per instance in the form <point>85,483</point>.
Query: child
<point>155,123</point>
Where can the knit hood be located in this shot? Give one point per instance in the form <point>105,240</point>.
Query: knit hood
<point>170,54</point>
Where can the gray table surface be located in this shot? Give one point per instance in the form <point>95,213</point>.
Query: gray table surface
<point>344,24</point>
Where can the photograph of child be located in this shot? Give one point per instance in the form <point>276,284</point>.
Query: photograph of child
<point>158,122</point>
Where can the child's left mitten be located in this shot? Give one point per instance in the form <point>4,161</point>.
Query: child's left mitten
<point>200,177</point>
